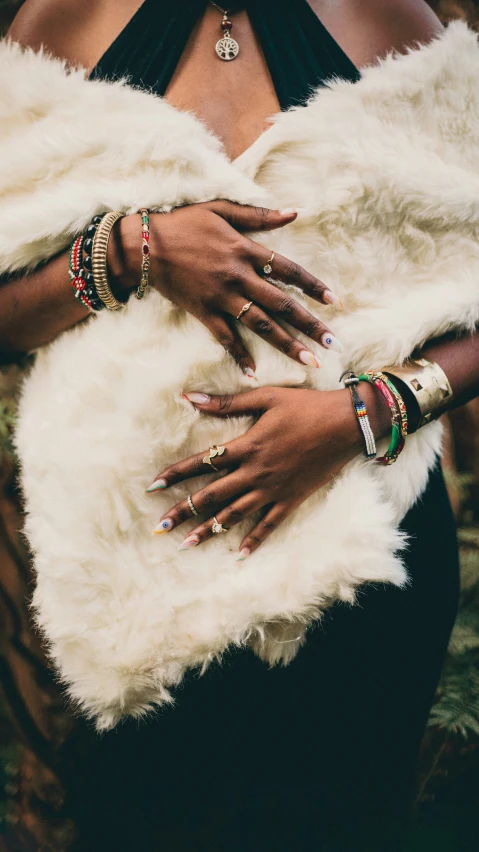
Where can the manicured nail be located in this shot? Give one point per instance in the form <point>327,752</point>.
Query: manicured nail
<point>198,398</point>
<point>288,211</point>
<point>307,357</point>
<point>244,553</point>
<point>331,342</point>
<point>157,485</point>
<point>163,526</point>
<point>331,299</point>
<point>189,542</point>
<point>250,373</point>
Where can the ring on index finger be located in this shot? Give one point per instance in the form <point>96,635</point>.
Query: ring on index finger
<point>213,452</point>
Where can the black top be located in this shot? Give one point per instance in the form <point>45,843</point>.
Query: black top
<point>299,51</point>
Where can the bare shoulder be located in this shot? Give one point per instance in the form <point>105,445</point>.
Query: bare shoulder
<point>368,29</point>
<point>76,30</point>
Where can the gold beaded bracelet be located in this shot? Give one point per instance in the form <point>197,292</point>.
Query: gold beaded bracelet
<point>98,260</point>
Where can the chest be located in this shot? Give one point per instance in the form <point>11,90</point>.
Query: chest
<point>234,98</point>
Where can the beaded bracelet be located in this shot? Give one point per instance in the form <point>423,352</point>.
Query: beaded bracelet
<point>76,272</point>
<point>145,253</point>
<point>351,380</point>
<point>398,414</point>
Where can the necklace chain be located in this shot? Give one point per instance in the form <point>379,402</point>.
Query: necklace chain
<point>220,9</point>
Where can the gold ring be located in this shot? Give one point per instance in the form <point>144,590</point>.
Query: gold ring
<point>268,267</point>
<point>243,310</point>
<point>213,452</point>
<point>192,506</point>
<point>218,528</point>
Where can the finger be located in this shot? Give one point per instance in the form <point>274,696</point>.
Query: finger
<point>292,273</point>
<point>226,456</point>
<point>244,217</point>
<point>271,521</point>
<point>251,403</point>
<point>228,517</point>
<point>264,326</point>
<point>227,334</point>
<point>288,309</point>
<point>208,499</point>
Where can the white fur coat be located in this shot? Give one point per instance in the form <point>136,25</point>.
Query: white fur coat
<point>386,174</point>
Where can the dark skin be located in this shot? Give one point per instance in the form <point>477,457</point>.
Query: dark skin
<point>282,459</point>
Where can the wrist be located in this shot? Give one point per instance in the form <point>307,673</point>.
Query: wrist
<point>124,256</point>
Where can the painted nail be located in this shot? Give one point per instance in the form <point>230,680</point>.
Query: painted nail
<point>288,211</point>
<point>189,542</point>
<point>157,485</point>
<point>199,398</point>
<point>331,342</point>
<point>163,526</point>
<point>307,357</point>
<point>250,373</point>
<point>331,299</point>
<point>244,553</point>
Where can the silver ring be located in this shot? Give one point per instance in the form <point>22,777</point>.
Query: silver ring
<point>218,528</point>
<point>243,310</point>
<point>212,453</point>
<point>192,506</point>
<point>268,267</point>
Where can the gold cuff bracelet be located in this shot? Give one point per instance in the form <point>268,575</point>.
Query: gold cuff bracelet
<point>98,261</point>
<point>429,385</point>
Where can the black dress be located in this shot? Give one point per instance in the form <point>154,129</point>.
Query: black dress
<point>319,755</point>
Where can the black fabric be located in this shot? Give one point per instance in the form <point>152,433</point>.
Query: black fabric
<point>299,51</point>
<point>318,756</point>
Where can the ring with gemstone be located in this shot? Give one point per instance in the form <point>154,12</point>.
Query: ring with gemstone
<point>268,267</point>
<point>243,310</point>
<point>218,528</point>
<point>194,510</point>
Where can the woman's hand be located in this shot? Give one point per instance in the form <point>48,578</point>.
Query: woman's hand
<point>201,261</point>
<point>302,439</point>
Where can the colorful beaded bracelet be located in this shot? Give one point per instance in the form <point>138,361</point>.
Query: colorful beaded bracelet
<point>80,266</point>
<point>351,380</point>
<point>145,253</point>
<point>398,414</point>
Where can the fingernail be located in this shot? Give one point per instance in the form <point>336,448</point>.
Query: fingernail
<point>331,299</point>
<point>189,542</point>
<point>244,553</point>
<point>288,211</point>
<point>331,342</point>
<point>163,526</point>
<point>198,398</point>
<point>250,373</point>
<point>156,485</point>
<point>307,357</point>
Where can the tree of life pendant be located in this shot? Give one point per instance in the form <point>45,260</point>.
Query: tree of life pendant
<point>227,48</point>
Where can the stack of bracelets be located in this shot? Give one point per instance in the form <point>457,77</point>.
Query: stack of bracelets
<point>88,263</point>
<point>397,408</point>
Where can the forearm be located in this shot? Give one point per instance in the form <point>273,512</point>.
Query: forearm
<point>36,308</point>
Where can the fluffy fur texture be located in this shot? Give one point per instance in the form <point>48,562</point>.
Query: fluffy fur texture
<point>386,173</point>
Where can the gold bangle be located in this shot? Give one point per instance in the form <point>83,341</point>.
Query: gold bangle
<point>429,385</point>
<point>98,261</point>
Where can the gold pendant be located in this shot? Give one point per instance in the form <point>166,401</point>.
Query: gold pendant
<point>227,48</point>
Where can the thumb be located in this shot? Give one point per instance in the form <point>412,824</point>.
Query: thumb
<point>230,405</point>
<point>244,217</point>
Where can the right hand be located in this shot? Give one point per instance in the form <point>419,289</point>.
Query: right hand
<point>202,262</point>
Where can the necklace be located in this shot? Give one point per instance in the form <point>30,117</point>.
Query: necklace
<point>226,48</point>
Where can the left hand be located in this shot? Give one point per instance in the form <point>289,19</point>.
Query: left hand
<point>301,440</point>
